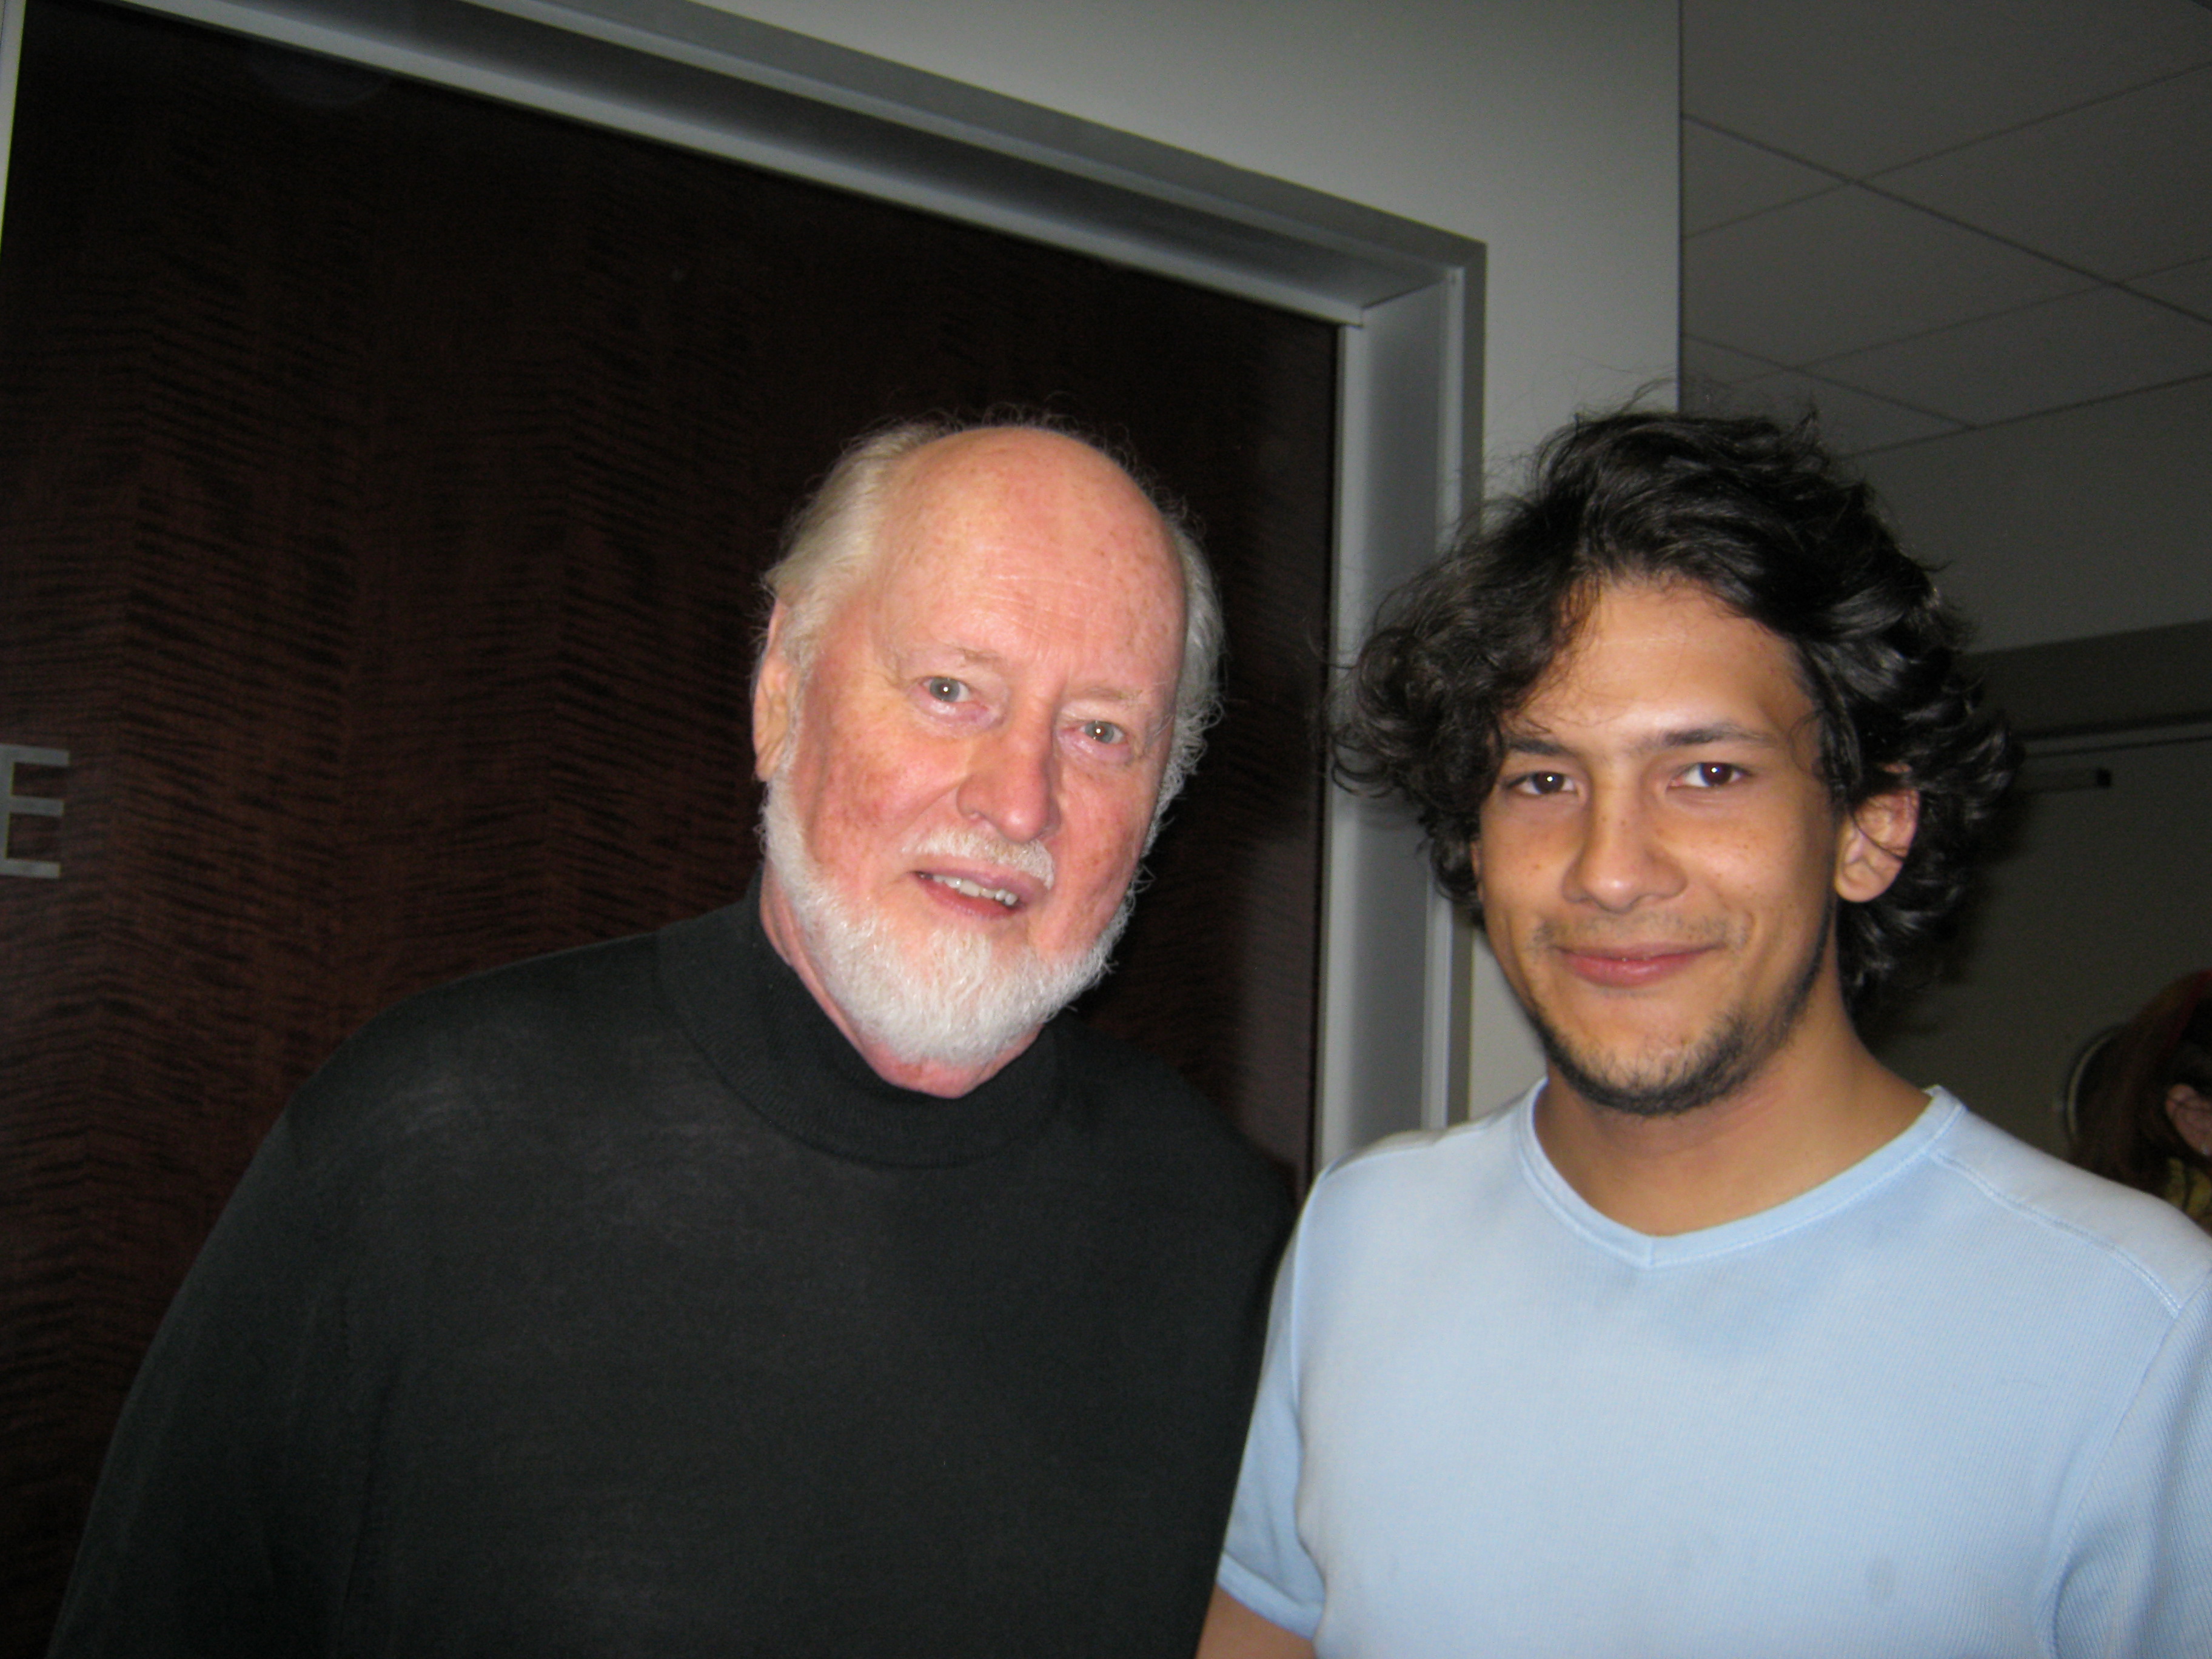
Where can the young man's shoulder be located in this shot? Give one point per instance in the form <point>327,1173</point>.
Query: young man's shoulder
<point>1421,1186</point>
<point>2071,1216</point>
<point>1413,1158</point>
<point>1965,1187</point>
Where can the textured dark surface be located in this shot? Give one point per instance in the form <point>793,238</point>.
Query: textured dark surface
<point>383,490</point>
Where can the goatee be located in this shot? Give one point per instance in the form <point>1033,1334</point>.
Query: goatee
<point>1716,1066</point>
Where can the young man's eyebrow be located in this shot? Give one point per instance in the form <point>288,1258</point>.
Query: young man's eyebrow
<point>1533,742</point>
<point>1698,737</point>
<point>1529,741</point>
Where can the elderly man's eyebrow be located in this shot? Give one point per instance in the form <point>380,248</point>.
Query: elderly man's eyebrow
<point>1119,696</point>
<point>970,656</point>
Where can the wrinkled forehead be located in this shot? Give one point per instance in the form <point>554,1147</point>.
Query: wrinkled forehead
<point>987,485</point>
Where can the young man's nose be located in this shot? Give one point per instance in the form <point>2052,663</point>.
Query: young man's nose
<point>1621,859</point>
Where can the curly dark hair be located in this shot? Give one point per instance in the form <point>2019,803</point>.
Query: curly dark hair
<point>1761,517</point>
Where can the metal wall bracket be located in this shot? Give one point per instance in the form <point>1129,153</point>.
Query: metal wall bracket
<point>13,806</point>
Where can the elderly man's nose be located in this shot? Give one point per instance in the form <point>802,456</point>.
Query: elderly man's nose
<point>1013,780</point>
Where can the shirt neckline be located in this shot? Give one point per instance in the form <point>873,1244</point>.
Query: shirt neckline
<point>1839,1192</point>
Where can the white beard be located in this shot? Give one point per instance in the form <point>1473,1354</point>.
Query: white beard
<point>960,1000</point>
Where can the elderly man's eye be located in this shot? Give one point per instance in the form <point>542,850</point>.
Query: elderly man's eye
<point>1103,731</point>
<point>944,688</point>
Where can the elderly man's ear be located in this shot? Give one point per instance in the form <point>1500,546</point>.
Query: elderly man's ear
<point>1875,836</point>
<point>773,687</point>
<point>2190,1113</point>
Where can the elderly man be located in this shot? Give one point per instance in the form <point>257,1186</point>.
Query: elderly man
<point>790,1280</point>
<point>1724,1339</point>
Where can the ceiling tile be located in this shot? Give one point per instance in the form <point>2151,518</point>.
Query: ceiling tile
<point>1856,86</point>
<point>2189,287</point>
<point>1846,270</point>
<point>1705,360</point>
<point>2069,351</point>
<point>1725,178</point>
<point>2120,187</point>
<point>1851,422</point>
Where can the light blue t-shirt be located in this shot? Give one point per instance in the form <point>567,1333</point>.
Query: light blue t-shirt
<point>1957,1401</point>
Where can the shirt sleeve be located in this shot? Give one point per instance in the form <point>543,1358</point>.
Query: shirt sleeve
<point>2134,1579</point>
<point>1264,1561</point>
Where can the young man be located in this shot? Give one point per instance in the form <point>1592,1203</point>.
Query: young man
<point>1725,1340</point>
<point>792,1281</point>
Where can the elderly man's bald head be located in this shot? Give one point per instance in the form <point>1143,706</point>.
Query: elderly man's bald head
<point>833,542</point>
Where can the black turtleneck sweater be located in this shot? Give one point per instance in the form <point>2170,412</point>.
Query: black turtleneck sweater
<point>609,1303</point>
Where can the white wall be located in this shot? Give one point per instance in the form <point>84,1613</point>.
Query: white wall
<point>2088,521</point>
<point>2101,903</point>
<point>1547,131</point>
<point>2091,520</point>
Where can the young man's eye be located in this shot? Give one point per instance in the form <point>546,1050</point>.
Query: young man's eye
<point>1711,775</point>
<point>1537,783</point>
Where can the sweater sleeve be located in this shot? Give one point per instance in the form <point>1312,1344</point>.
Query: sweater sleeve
<point>207,1535</point>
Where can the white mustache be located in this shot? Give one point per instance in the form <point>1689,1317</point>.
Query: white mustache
<point>1025,858</point>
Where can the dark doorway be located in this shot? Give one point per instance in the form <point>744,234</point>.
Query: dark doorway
<point>385,477</point>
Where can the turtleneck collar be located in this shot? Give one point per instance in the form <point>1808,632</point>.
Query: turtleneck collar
<point>771,1041</point>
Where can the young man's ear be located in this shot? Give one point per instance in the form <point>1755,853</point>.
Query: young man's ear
<point>774,687</point>
<point>1872,842</point>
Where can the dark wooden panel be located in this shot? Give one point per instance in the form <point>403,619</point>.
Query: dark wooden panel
<point>383,485</point>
